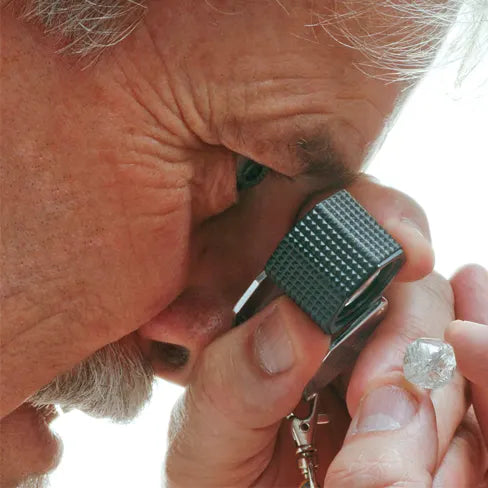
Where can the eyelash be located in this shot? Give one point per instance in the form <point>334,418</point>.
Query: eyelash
<point>267,173</point>
<point>250,173</point>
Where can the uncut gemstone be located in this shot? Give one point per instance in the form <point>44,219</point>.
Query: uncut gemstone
<point>429,363</point>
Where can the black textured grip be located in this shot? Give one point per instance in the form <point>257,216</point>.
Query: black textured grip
<point>330,256</point>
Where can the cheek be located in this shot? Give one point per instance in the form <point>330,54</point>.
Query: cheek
<point>28,446</point>
<point>154,239</point>
<point>161,263</point>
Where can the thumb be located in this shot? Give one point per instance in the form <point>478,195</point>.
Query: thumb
<point>223,430</point>
<point>392,440</point>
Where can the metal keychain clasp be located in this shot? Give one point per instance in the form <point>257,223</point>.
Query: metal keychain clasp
<point>303,431</point>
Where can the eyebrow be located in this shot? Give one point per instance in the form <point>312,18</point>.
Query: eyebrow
<point>322,162</point>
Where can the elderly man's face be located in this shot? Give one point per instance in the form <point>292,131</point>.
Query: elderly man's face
<point>128,212</point>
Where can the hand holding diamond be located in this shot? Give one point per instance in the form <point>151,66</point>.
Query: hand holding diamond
<point>421,434</point>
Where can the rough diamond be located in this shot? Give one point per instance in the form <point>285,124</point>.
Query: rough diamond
<point>429,363</point>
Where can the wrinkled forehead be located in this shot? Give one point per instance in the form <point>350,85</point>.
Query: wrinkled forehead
<point>399,36</point>
<point>257,77</point>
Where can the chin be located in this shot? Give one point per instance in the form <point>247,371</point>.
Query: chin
<point>29,448</point>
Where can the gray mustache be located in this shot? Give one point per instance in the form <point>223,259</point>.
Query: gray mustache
<point>115,382</point>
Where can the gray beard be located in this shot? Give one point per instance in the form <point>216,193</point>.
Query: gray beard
<point>115,382</point>
<point>40,481</point>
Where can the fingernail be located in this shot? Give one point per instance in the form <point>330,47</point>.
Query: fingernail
<point>387,408</point>
<point>372,178</point>
<point>482,275</point>
<point>413,225</point>
<point>461,328</point>
<point>272,345</point>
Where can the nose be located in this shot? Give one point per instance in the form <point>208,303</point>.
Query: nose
<point>228,252</point>
<point>179,333</point>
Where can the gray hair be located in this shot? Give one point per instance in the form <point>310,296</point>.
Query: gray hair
<point>115,382</point>
<point>399,38</point>
<point>35,481</point>
<point>88,26</point>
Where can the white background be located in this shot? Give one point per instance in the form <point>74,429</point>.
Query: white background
<point>437,153</point>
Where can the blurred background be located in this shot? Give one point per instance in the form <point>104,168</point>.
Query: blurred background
<point>437,152</point>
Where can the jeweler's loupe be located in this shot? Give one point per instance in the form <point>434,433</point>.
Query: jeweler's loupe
<point>335,264</point>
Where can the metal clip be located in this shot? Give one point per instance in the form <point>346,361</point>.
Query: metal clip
<point>303,430</point>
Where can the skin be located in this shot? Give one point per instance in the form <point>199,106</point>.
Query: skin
<point>469,336</point>
<point>119,208</point>
<point>441,442</point>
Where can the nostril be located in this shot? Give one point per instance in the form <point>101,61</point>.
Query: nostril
<point>172,356</point>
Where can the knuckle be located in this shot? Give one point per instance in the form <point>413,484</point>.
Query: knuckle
<point>177,418</point>
<point>416,326</point>
<point>412,484</point>
<point>433,297</point>
<point>439,290</point>
<point>410,209</point>
<point>389,469</point>
<point>216,390</point>
<point>471,273</point>
<point>399,204</point>
<point>469,437</point>
<point>208,393</point>
<point>177,471</point>
<point>176,462</point>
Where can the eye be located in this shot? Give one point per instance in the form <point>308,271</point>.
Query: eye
<point>249,173</point>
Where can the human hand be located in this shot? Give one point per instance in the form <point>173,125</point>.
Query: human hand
<point>469,336</point>
<point>415,455</point>
<point>237,398</point>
